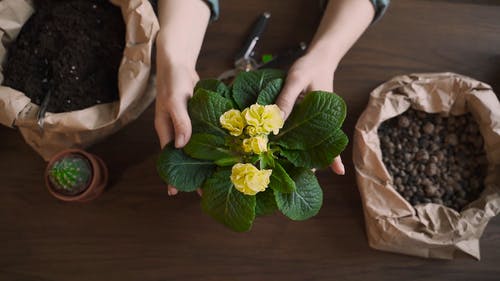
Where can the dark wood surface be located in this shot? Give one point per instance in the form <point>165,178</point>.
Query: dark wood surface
<point>135,232</point>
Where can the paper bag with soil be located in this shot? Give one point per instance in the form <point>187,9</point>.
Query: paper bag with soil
<point>426,228</point>
<point>66,126</point>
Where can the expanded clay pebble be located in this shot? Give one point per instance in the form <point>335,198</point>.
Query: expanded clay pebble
<point>434,159</point>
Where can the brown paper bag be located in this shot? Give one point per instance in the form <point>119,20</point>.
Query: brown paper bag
<point>430,230</point>
<point>83,127</point>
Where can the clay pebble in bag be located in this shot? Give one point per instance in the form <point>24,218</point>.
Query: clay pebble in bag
<point>81,128</point>
<point>427,229</point>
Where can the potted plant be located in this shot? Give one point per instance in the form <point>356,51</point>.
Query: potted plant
<point>246,158</point>
<point>75,175</point>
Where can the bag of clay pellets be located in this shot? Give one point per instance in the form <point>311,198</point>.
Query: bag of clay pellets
<point>74,72</point>
<point>427,160</point>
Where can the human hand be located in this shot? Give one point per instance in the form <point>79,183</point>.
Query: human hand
<point>182,28</point>
<point>309,73</point>
<point>174,84</point>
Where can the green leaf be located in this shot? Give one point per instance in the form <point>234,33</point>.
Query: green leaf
<point>319,156</point>
<point>269,94</point>
<point>265,203</point>
<point>248,85</point>
<point>266,160</point>
<point>205,109</point>
<point>312,121</point>
<point>183,172</point>
<point>213,85</point>
<point>226,204</point>
<point>305,201</point>
<point>280,180</point>
<point>207,147</point>
<point>228,161</point>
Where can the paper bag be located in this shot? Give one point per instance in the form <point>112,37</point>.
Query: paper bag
<point>429,230</point>
<point>82,128</point>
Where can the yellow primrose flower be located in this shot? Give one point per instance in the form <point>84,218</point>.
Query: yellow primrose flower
<point>253,118</point>
<point>272,118</point>
<point>248,179</point>
<point>263,119</point>
<point>252,131</point>
<point>233,121</point>
<point>255,145</point>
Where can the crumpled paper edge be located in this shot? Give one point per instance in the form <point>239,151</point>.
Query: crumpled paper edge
<point>430,230</point>
<point>82,128</point>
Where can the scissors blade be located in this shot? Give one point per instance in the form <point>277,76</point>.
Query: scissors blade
<point>257,31</point>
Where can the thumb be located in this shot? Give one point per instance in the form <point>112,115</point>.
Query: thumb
<point>292,89</point>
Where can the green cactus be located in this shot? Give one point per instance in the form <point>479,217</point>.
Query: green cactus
<point>71,174</point>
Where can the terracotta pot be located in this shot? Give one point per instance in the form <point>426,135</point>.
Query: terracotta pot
<point>96,185</point>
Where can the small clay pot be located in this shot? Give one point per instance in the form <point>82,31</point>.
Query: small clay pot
<point>97,182</point>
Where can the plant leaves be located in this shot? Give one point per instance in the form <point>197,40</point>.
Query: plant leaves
<point>228,161</point>
<point>205,109</point>
<point>266,160</point>
<point>248,85</point>
<point>307,198</point>
<point>312,121</point>
<point>280,180</point>
<point>180,170</point>
<point>265,203</point>
<point>213,85</point>
<point>270,92</point>
<point>226,204</point>
<point>319,156</point>
<point>207,147</point>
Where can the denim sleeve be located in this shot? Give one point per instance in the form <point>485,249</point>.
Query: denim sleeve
<point>212,4</point>
<point>379,5</point>
<point>214,8</point>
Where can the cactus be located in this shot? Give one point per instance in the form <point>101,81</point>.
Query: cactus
<point>70,175</point>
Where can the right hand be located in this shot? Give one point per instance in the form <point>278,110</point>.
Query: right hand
<point>309,73</point>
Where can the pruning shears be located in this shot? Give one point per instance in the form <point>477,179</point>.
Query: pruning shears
<point>245,58</point>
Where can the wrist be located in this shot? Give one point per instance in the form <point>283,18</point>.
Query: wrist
<point>169,53</point>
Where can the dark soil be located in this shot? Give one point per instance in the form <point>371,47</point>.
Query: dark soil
<point>434,159</point>
<point>71,49</point>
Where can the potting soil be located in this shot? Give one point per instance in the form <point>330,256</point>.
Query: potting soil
<point>70,49</point>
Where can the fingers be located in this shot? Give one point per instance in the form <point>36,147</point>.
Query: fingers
<point>172,190</point>
<point>293,87</point>
<point>163,126</point>
<point>181,122</point>
<point>172,120</point>
<point>337,166</point>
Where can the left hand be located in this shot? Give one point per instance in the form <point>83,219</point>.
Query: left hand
<point>309,73</point>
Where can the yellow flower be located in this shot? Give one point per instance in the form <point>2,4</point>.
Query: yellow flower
<point>263,119</point>
<point>272,118</point>
<point>248,179</point>
<point>252,131</point>
<point>233,121</point>
<point>255,145</point>
<point>253,118</point>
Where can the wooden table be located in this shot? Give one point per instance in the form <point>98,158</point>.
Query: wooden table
<point>136,232</point>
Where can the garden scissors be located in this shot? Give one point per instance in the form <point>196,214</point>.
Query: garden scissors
<point>245,61</point>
